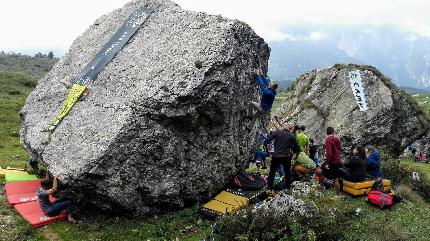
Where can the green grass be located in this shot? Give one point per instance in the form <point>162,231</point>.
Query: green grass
<point>423,101</point>
<point>424,168</point>
<point>404,221</point>
<point>14,88</point>
<point>185,224</point>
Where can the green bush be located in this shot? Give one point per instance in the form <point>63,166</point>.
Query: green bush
<point>401,174</point>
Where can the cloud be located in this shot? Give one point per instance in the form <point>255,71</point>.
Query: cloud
<point>54,24</point>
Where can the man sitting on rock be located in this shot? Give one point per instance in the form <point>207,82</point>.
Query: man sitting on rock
<point>373,162</point>
<point>268,90</point>
<point>48,187</point>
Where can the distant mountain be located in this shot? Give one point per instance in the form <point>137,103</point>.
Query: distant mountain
<point>414,91</point>
<point>402,56</point>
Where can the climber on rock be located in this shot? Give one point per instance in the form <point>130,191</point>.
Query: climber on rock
<point>268,90</point>
<point>48,187</point>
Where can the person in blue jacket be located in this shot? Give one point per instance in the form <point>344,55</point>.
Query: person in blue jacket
<point>268,91</point>
<point>373,162</point>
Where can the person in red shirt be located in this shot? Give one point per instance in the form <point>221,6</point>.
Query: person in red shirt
<point>330,167</point>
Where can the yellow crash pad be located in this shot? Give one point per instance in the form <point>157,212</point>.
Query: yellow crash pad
<point>365,184</point>
<point>360,192</point>
<point>3,171</point>
<point>226,202</point>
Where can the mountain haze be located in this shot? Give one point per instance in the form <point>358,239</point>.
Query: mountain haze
<point>401,55</point>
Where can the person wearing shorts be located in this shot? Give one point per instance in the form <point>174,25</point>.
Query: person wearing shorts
<point>330,167</point>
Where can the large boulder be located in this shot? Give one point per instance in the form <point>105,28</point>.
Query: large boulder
<point>164,124</point>
<point>324,97</point>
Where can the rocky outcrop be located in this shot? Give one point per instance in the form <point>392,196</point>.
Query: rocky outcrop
<point>164,124</point>
<point>323,98</point>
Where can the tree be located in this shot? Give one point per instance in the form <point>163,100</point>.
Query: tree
<point>39,55</point>
<point>50,55</point>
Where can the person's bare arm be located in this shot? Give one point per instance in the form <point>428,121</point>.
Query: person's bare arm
<point>276,125</point>
<point>54,186</point>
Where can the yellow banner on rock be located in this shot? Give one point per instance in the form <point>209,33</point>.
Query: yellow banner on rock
<point>73,97</point>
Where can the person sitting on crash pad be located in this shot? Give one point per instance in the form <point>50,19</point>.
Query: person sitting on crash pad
<point>303,165</point>
<point>48,187</point>
<point>268,91</point>
<point>354,169</point>
<point>373,162</point>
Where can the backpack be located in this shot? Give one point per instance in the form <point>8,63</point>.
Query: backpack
<point>247,182</point>
<point>378,197</point>
<point>381,199</point>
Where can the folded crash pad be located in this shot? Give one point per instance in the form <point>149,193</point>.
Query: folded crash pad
<point>360,192</point>
<point>362,188</point>
<point>21,192</point>
<point>364,184</point>
<point>224,203</point>
<point>3,171</point>
<point>19,177</point>
<point>32,213</point>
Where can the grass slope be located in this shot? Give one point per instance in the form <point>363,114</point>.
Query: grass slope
<point>14,88</point>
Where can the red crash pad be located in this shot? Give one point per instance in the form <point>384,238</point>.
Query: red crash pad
<point>32,213</point>
<point>21,192</point>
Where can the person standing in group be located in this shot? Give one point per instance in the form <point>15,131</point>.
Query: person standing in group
<point>285,147</point>
<point>313,151</point>
<point>302,140</point>
<point>330,167</point>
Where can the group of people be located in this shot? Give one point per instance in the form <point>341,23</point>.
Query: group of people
<point>294,154</point>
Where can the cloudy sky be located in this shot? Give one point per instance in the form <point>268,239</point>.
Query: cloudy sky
<point>42,25</point>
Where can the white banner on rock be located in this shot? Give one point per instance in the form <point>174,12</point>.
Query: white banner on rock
<point>358,89</point>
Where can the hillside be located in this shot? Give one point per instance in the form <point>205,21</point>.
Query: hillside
<point>337,220</point>
<point>24,64</point>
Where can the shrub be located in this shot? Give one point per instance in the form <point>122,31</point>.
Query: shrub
<point>408,194</point>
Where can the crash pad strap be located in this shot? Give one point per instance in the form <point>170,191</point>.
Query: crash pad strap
<point>73,97</point>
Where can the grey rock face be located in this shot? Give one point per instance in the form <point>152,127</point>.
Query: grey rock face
<point>284,204</point>
<point>323,98</point>
<point>164,123</point>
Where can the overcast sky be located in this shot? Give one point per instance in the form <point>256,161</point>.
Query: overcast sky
<point>41,25</point>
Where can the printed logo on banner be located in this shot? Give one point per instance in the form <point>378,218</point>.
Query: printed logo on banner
<point>358,89</point>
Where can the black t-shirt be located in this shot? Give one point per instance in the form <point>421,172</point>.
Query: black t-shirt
<point>357,168</point>
<point>312,151</point>
<point>285,143</point>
